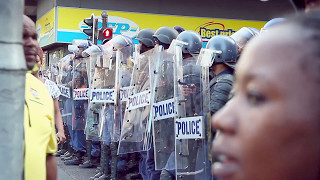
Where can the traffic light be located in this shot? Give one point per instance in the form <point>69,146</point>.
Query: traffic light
<point>92,29</point>
<point>105,34</point>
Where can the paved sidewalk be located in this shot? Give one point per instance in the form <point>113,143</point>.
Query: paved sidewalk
<point>73,172</point>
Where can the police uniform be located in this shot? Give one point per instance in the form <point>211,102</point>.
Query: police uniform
<point>220,88</point>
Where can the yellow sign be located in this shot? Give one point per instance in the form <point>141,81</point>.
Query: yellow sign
<point>46,28</point>
<point>70,23</point>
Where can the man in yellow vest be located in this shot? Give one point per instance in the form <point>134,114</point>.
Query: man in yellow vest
<point>39,127</point>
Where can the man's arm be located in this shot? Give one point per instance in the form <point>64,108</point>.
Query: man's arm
<point>58,121</point>
<point>51,165</point>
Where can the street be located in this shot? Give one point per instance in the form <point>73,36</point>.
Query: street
<point>73,172</point>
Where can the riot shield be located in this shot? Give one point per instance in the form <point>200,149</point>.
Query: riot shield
<point>80,93</point>
<point>163,110</point>
<point>53,70</point>
<point>124,66</point>
<point>191,99</point>
<point>64,82</point>
<point>136,126</point>
<point>101,85</point>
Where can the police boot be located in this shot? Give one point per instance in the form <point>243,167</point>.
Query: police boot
<point>105,160</point>
<point>133,162</point>
<point>133,176</point>
<point>103,177</point>
<point>76,160</point>
<point>70,150</point>
<point>114,160</point>
<point>60,152</point>
<point>97,175</point>
<point>104,163</point>
<point>132,170</point>
<point>166,175</point>
<point>67,155</point>
<point>98,168</point>
<point>88,163</point>
<point>98,171</point>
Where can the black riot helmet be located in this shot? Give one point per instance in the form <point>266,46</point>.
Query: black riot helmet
<point>225,50</point>
<point>179,29</point>
<point>165,35</point>
<point>145,36</point>
<point>194,42</point>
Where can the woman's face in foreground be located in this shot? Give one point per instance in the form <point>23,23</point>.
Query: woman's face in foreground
<point>270,129</point>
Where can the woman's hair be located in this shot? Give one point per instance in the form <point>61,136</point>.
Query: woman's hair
<point>310,25</point>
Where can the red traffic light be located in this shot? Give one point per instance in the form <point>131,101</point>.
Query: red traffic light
<point>107,33</point>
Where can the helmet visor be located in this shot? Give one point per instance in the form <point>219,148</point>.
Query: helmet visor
<point>207,56</point>
<point>242,36</point>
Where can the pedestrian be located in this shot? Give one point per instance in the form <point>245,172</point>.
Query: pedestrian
<point>270,129</point>
<point>39,126</point>
<point>55,94</point>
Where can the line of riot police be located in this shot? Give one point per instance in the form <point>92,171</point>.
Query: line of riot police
<point>143,111</point>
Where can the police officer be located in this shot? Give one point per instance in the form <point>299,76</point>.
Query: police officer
<point>190,52</point>
<point>192,49</point>
<point>223,68</point>
<point>163,36</point>
<point>103,78</point>
<point>80,106</point>
<point>66,77</point>
<point>146,40</point>
<point>114,113</point>
<point>146,43</point>
<point>92,119</point>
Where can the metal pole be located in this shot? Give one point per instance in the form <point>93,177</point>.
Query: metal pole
<point>104,16</point>
<point>12,78</point>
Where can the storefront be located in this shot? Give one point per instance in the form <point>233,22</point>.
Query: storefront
<point>61,25</point>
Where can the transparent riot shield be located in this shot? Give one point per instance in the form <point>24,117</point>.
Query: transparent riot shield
<point>191,98</point>
<point>80,93</point>
<point>124,66</point>
<point>64,82</point>
<point>163,110</point>
<point>136,126</point>
<point>101,94</point>
<point>53,70</point>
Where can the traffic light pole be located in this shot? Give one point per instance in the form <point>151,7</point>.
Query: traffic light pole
<point>105,33</point>
<point>104,16</point>
<point>95,32</point>
<point>12,78</point>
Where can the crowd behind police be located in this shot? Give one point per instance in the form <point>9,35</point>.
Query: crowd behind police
<point>292,154</point>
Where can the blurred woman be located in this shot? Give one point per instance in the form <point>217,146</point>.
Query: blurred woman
<point>271,127</point>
